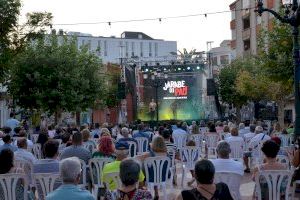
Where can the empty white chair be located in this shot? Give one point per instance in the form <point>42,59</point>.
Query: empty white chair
<point>180,140</point>
<point>9,184</point>
<point>46,183</point>
<point>96,167</point>
<point>83,182</point>
<point>233,182</point>
<point>211,141</point>
<point>237,150</point>
<point>132,148</point>
<point>159,168</point>
<point>37,150</point>
<point>189,157</point>
<point>198,138</point>
<point>275,179</point>
<point>143,143</point>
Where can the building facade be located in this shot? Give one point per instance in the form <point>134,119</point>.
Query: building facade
<point>246,24</point>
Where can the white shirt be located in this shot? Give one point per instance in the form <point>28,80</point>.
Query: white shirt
<point>228,165</point>
<point>179,131</point>
<point>243,131</point>
<point>22,154</point>
<point>249,135</point>
<point>29,143</point>
<point>261,137</point>
<point>236,139</point>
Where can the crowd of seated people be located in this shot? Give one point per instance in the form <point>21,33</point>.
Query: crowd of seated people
<point>63,158</point>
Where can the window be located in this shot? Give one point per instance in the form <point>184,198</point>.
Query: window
<point>82,42</point>
<point>150,49</point>
<point>155,49</point>
<point>105,48</point>
<point>224,60</point>
<point>246,4</point>
<point>247,45</point>
<point>99,48</point>
<point>126,49</point>
<point>132,49</point>
<point>233,15</point>
<point>141,49</point>
<point>246,22</point>
<point>89,45</point>
<point>215,61</point>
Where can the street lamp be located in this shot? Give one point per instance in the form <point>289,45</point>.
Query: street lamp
<point>157,80</point>
<point>291,17</point>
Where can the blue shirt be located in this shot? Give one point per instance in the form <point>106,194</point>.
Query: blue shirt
<point>141,134</point>
<point>46,166</point>
<point>96,131</point>
<point>8,146</point>
<point>12,123</point>
<point>69,191</point>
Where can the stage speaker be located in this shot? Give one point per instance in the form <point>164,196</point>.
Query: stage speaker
<point>121,90</point>
<point>211,87</point>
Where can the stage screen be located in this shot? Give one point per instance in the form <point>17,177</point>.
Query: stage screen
<point>179,98</point>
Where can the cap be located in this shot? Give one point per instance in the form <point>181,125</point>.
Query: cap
<point>121,145</point>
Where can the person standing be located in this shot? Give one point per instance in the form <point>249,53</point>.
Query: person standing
<point>12,122</point>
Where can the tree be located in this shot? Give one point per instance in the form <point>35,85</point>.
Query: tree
<point>13,36</point>
<point>52,74</point>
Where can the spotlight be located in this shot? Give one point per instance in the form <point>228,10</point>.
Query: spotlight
<point>165,69</point>
<point>179,68</point>
<point>188,68</point>
<point>146,70</point>
<point>198,67</point>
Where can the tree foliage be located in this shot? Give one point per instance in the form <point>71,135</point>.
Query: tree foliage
<point>14,36</point>
<point>53,75</point>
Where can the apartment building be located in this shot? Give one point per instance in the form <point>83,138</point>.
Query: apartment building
<point>245,25</point>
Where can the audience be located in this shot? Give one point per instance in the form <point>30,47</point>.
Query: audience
<point>129,174</point>
<point>276,130</point>
<point>22,134</point>
<point>22,153</point>
<point>7,144</point>
<point>242,131</point>
<point>126,136</point>
<point>223,163</point>
<point>206,189</point>
<point>106,148</point>
<point>76,149</point>
<point>96,132</point>
<point>43,137</point>
<point>179,130</point>
<point>226,132</point>
<point>70,173</point>
<point>86,137</point>
<point>122,151</point>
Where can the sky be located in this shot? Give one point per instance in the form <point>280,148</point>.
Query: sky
<point>190,32</point>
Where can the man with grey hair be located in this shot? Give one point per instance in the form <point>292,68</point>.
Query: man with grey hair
<point>70,172</point>
<point>223,163</point>
<point>254,145</point>
<point>126,136</point>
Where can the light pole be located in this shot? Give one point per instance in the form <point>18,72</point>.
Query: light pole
<point>157,80</point>
<point>291,17</point>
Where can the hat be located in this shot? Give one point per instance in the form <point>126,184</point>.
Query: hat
<point>121,145</point>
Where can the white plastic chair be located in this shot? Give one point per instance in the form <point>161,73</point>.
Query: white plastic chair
<point>46,183</point>
<point>237,150</point>
<point>160,166</point>
<point>143,143</point>
<point>285,140</point>
<point>37,150</point>
<point>203,130</point>
<point>132,148</point>
<point>10,182</point>
<point>83,182</point>
<point>180,140</point>
<point>257,155</point>
<point>284,160</point>
<point>26,166</point>
<point>211,140</point>
<point>274,179</point>
<point>115,177</point>
<point>96,167</point>
<point>198,138</point>
<point>233,182</point>
<point>34,138</point>
<point>172,164</point>
<point>189,156</point>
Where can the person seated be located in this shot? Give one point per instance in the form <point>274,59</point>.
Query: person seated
<point>226,132</point>
<point>70,173</point>
<point>22,153</point>
<point>254,143</point>
<point>223,163</point>
<point>8,144</point>
<point>282,151</point>
<point>179,130</point>
<point>43,137</point>
<point>242,131</point>
<point>76,149</point>
<point>106,148</point>
<point>250,134</point>
<point>126,136</point>
<point>121,152</point>
<point>50,164</point>
<point>86,135</point>
<point>129,175</point>
<point>22,134</point>
<point>270,150</point>
<point>141,132</point>
<point>105,132</point>
<point>7,167</point>
<point>96,132</point>
<point>276,130</point>
<point>235,138</point>
<point>206,189</point>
